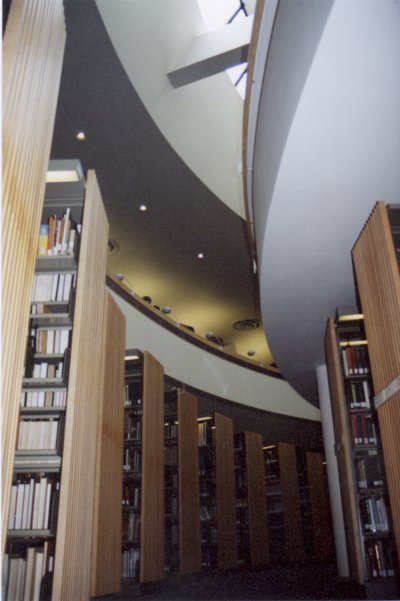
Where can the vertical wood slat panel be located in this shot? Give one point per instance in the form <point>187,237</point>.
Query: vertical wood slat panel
<point>378,282</point>
<point>294,541</point>
<point>256,495</point>
<point>189,489</point>
<point>107,530</point>
<point>389,421</point>
<point>152,531</point>
<point>33,49</point>
<point>226,494</point>
<point>72,569</point>
<point>320,514</point>
<point>343,454</point>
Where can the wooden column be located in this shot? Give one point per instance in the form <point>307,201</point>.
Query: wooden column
<point>106,547</point>
<point>294,541</point>
<point>256,495</point>
<point>72,567</point>
<point>378,280</point>
<point>152,533</point>
<point>189,494</point>
<point>226,497</point>
<point>33,50</point>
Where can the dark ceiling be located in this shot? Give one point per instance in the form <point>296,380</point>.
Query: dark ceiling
<point>156,250</point>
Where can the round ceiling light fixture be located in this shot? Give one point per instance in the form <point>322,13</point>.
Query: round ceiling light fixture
<point>81,136</point>
<point>246,325</point>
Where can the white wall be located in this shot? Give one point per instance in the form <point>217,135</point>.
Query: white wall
<point>193,366</point>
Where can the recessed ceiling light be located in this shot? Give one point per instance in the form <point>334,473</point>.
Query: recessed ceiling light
<point>81,135</point>
<point>200,256</point>
<point>143,207</point>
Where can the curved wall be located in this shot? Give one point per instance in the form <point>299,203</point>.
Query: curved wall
<point>187,363</point>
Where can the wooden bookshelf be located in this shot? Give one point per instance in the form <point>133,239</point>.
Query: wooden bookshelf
<point>106,562</point>
<point>376,256</point>
<point>31,79</point>
<point>366,506</point>
<point>251,509</point>
<point>319,504</point>
<point>152,492</point>
<point>189,495</point>
<point>294,541</point>
<point>225,492</point>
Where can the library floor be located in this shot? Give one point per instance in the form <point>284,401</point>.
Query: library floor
<point>302,582</point>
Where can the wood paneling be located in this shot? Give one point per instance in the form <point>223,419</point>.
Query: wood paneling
<point>294,541</point>
<point>152,533</point>
<point>256,495</point>
<point>343,454</point>
<point>320,513</point>
<point>189,494</point>
<point>72,569</point>
<point>226,495</point>
<point>33,49</point>
<point>106,556</point>
<point>389,421</point>
<point>378,282</point>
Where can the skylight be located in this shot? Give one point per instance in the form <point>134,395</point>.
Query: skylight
<point>217,14</point>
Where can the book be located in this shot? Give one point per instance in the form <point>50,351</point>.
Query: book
<point>43,239</point>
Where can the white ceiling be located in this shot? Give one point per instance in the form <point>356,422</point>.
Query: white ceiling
<point>327,148</point>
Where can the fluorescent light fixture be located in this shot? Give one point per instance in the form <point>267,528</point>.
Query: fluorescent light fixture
<point>353,342</point>
<point>204,419</point>
<point>270,446</point>
<point>64,171</point>
<point>132,357</point>
<point>351,317</point>
<point>55,177</point>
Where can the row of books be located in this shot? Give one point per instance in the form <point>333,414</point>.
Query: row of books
<point>23,576</point>
<point>380,559</point>
<point>170,430</point>
<point>31,503</point>
<point>130,495</point>
<point>374,514</point>
<point>205,430</point>
<point>369,472</point>
<point>363,428</point>
<point>131,527</point>
<point>206,514</point>
<point>171,479</point>
<point>355,360</point>
<point>58,236</point>
<point>171,505</point>
<point>131,563</point>
<point>171,538</point>
<point>131,395</point>
<point>132,459</point>
<point>51,341</point>
<point>171,455</point>
<point>43,398</point>
<point>132,427</point>
<point>52,287</point>
<point>45,370</point>
<point>35,434</point>
<point>359,395</point>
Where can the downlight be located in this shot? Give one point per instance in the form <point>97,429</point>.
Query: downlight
<point>246,325</point>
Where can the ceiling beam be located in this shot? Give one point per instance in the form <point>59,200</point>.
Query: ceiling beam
<point>212,53</point>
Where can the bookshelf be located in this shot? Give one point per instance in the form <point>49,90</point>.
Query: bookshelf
<point>376,257</point>
<point>321,522</point>
<point>366,506</point>
<point>217,492</point>
<point>285,526</point>
<point>60,541</point>
<point>143,554</point>
<point>183,550</point>
<point>251,510</point>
